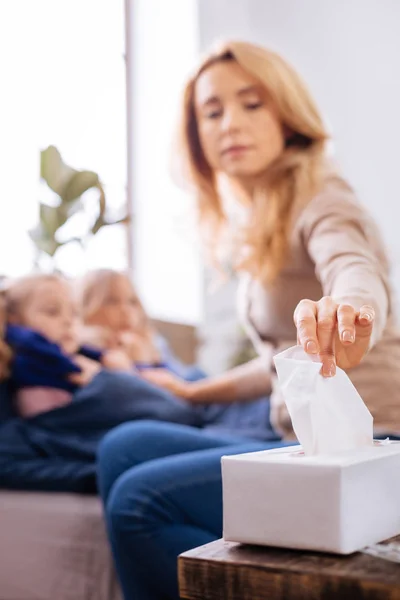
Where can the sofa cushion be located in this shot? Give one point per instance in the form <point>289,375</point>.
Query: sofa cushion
<point>54,546</point>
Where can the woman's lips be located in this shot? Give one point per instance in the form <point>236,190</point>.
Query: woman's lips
<point>236,150</point>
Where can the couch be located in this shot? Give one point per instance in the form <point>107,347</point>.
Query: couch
<point>54,547</point>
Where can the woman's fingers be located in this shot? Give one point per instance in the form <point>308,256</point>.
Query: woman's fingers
<point>334,330</point>
<point>326,331</point>
<point>305,318</point>
<point>346,317</point>
<point>365,318</point>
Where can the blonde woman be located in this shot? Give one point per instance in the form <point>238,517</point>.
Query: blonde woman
<point>304,247</point>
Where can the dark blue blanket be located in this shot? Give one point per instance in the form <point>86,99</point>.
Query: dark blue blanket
<point>56,450</point>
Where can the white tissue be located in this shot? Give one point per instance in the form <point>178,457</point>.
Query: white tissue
<point>328,414</point>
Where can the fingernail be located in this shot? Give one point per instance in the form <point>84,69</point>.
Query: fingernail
<point>312,347</point>
<point>347,336</point>
<point>366,317</point>
<point>329,370</point>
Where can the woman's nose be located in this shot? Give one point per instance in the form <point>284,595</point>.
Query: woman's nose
<point>231,119</point>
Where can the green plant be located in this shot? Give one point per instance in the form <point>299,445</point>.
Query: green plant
<point>69,185</point>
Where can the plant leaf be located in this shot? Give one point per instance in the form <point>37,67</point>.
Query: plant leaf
<point>53,169</point>
<point>98,224</point>
<point>43,242</point>
<point>102,222</point>
<point>124,221</point>
<point>52,218</point>
<point>102,200</point>
<point>78,183</point>
<point>73,207</point>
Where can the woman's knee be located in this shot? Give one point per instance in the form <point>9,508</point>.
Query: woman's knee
<point>131,502</point>
<point>119,437</point>
<point>123,448</point>
<point>128,438</point>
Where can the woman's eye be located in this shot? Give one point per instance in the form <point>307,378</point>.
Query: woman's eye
<point>215,114</point>
<point>253,105</point>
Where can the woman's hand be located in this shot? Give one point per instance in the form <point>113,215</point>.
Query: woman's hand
<point>163,378</point>
<point>338,333</point>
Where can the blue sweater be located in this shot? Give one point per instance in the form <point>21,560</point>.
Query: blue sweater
<point>39,362</point>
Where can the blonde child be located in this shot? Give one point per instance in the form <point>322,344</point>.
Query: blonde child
<point>48,362</point>
<point>114,318</point>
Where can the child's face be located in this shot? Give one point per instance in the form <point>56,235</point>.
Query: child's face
<point>50,311</point>
<point>122,309</point>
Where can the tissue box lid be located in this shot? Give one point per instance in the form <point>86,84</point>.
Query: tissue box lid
<point>294,454</point>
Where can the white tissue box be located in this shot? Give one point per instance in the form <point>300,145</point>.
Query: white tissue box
<point>334,503</point>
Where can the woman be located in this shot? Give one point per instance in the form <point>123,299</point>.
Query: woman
<point>248,117</point>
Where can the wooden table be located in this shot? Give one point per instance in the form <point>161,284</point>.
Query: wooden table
<point>227,571</point>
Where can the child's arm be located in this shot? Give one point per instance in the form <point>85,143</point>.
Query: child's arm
<point>89,369</point>
<point>244,383</point>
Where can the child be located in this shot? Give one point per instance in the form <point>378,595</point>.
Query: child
<point>114,318</point>
<point>48,363</point>
<point>67,396</point>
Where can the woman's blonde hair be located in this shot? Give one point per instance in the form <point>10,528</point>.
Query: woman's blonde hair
<point>294,177</point>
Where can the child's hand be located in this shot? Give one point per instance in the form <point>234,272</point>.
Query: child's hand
<point>139,348</point>
<point>94,335</point>
<point>89,367</point>
<point>117,360</point>
<point>168,381</point>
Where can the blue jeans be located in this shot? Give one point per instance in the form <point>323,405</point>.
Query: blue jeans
<point>162,492</point>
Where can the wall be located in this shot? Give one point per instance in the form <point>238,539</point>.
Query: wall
<point>349,53</point>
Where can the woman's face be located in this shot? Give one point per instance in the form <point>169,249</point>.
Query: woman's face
<point>239,130</point>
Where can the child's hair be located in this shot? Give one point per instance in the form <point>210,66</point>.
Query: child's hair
<point>14,296</point>
<point>93,290</point>
<point>18,292</point>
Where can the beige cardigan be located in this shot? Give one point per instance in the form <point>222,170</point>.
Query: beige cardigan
<point>335,250</point>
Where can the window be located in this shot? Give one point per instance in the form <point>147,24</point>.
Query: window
<point>163,46</point>
<point>63,83</point>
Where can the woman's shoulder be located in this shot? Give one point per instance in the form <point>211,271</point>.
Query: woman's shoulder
<point>336,201</point>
